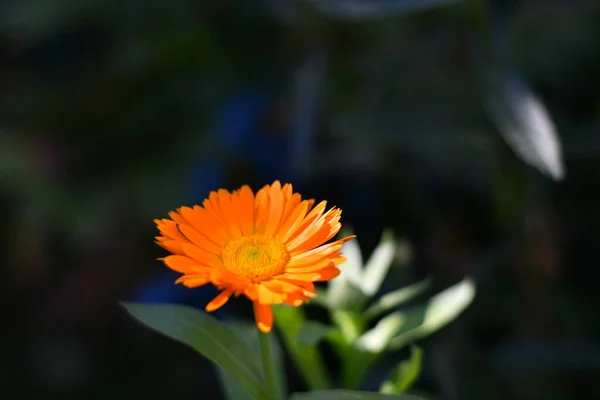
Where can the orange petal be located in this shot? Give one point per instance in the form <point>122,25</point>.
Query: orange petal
<point>194,280</point>
<point>319,252</point>
<point>295,299</point>
<point>181,264</point>
<point>312,216</point>
<point>199,239</point>
<point>219,300</point>
<point>292,285</point>
<point>328,274</point>
<point>244,202</point>
<point>261,209</point>
<point>293,221</point>
<point>213,205</point>
<point>321,275</point>
<point>201,257</point>
<point>177,217</point>
<point>205,223</point>
<point>288,191</point>
<point>275,208</point>
<point>268,296</point>
<point>310,231</point>
<point>174,246</point>
<point>326,231</point>
<point>291,202</point>
<point>168,229</point>
<point>264,317</point>
<point>229,213</point>
<point>301,266</point>
<point>305,276</point>
<point>213,211</point>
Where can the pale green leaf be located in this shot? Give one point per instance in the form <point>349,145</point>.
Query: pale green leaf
<point>340,394</point>
<point>343,291</point>
<point>352,269</point>
<point>423,320</point>
<point>405,374</point>
<point>378,265</point>
<point>396,298</point>
<point>377,338</point>
<point>524,122</point>
<point>349,323</point>
<point>206,335</point>
<point>345,295</point>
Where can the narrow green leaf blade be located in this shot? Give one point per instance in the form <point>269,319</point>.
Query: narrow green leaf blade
<point>206,335</point>
<point>349,323</point>
<point>340,394</point>
<point>378,265</point>
<point>441,309</point>
<point>376,339</point>
<point>396,298</point>
<point>405,374</point>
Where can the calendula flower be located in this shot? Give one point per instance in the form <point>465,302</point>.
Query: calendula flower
<point>268,247</point>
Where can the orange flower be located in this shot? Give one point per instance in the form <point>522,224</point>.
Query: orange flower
<point>268,247</point>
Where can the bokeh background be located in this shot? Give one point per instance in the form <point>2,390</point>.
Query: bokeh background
<point>469,128</point>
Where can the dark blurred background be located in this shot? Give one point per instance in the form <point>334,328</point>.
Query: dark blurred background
<point>113,113</point>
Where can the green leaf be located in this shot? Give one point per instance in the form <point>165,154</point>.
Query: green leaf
<point>307,358</point>
<point>405,374</point>
<point>231,388</point>
<point>354,362</point>
<point>349,323</point>
<point>378,265</point>
<point>249,334</point>
<point>368,348</point>
<point>396,298</point>
<point>206,335</point>
<point>376,339</point>
<point>345,295</point>
<point>423,320</point>
<point>313,332</point>
<point>340,394</point>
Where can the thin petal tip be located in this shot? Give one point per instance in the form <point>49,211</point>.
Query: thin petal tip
<point>264,328</point>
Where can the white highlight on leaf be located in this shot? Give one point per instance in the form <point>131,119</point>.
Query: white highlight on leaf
<point>525,124</point>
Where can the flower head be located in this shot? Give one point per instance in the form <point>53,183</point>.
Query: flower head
<point>268,247</point>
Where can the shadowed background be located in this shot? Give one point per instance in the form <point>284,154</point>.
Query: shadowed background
<point>469,128</point>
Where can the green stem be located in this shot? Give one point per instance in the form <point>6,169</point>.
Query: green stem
<point>267,359</point>
<point>307,358</point>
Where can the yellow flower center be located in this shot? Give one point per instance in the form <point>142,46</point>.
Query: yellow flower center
<point>257,257</point>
